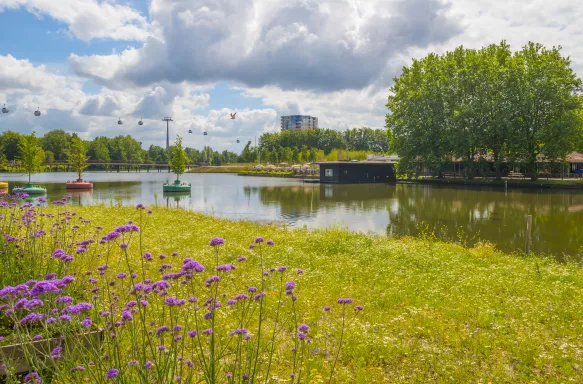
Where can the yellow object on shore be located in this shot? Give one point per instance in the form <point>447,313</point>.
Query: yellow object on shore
<point>3,185</point>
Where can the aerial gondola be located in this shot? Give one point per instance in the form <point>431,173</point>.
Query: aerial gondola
<point>37,112</point>
<point>190,131</point>
<point>140,122</point>
<point>205,133</point>
<point>119,122</point>
<point>5,109</point>
<point>238,141</point>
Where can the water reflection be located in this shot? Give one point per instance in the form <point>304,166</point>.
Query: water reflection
<point>173,199</point>
<point>396,210</point>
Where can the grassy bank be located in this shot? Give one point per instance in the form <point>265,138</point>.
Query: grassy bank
<point>432,311</point>
<point>266,173</point>
<point>230,168</point>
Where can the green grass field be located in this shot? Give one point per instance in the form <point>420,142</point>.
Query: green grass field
<point>434,312</point>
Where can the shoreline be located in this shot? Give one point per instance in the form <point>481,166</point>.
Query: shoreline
<point>538,184</point>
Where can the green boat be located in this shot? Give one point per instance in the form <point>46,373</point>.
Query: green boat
<point>177,186</point>
<point>31,189</point>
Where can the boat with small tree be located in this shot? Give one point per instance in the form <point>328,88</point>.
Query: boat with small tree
<point>32,156</point>
<point>78,160</point>
<point>177,166</point>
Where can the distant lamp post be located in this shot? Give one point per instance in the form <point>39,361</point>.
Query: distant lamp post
<point>167,120</point>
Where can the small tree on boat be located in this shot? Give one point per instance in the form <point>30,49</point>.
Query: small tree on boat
<point>177,158</point>
<point>31,154</point>
<point>78,156</point>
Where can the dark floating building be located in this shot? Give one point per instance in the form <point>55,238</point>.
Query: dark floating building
<point>357,172</point>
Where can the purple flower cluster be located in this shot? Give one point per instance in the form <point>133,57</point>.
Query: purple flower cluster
<point>216,241</point>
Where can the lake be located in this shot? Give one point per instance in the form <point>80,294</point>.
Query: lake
<point>489,214</point>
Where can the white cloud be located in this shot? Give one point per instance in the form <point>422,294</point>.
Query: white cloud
<point>89,19</point>
<point>295,44</point>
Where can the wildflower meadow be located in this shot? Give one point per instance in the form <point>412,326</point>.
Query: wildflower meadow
<point>81,302</point>
<point>157,295</point>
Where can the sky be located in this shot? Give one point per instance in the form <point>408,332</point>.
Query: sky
<point>87,63</point>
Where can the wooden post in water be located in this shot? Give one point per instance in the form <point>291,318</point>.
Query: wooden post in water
<point>528,234</point>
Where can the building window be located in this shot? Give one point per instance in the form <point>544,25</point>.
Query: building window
<point>329,172</point>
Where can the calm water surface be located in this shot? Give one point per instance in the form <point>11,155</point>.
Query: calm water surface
<point>396,210</point>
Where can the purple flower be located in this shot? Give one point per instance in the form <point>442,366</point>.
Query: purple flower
<point>344,301</point>
<point>259,296</point>
<point>43,287</point>
<point>252,289</point>
<point>31,318</point>
<point>132,363</point>
<point>112,373</point>
<point>251,246</point>
<point>290,285</point>
<point>126,315</point>
<point>241,296</point>
<point>239,331</point>
<point>358,308</point>
<point>56,353</point>
<point>63,300</point>
<point>65,318</point>
<point>241,259</point>
<point>231,302</point>
<point>327,308</point>
<point>301,335</point>
<point>208,331</point>
<point>259,240</point>
<point>32,378</point>
<point>123,245</point>
<point>211,280</point>
<point>281,269</point>
<point>192,333</point>
<point>77,308</point>
<point>216,241</point>
<point>140,206</point>
<point>50,276</point>
<point>269,242</point>
<point>174,253</point>
<point>299,271</point>
<point>161,330</point>
<point>191,265</point>
<point>77,368</point>
<point>148,256</point>
<point>144,303</point>
<point>225,267</point>
<point>122,275</point>
<point>86,323</point>
<point>35,338</point>
<point>303,328</point>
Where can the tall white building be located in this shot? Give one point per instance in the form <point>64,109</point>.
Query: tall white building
<point>298,122</point>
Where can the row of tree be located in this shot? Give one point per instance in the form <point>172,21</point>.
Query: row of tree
<point>57,145</point>
<point>287,146</point>
<point>495,104</point>
<point>355,139</point>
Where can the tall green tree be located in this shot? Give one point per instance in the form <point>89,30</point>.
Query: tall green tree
<point>9,141</point>
<point>548,105</point>
<point>31,154</point>
<point>178,158</point>
<point>77,156</point>
<point>58,142</point>
<point>417,116</point>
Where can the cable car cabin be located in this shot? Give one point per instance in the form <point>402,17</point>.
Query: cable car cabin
<point>357,172</point>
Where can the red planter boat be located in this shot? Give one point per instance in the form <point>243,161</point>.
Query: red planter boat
<point>79,184</point>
